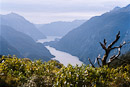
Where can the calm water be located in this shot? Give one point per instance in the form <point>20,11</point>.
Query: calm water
<point>48,39</point>
<point>62,57</point>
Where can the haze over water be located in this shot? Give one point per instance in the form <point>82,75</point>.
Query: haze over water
<point>62,57</point>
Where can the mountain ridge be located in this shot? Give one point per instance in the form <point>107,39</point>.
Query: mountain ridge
<point>19,23</point>
<point>83,41</point>
<point>59,28</point>
<point>25,44</point>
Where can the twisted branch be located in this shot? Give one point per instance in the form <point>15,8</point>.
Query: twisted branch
<point>108,50</point>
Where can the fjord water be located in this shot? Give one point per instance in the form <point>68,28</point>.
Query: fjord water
<point>62,57</point>
<point>48,39</point>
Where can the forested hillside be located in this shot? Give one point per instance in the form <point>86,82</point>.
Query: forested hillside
<point>83,41</point>
<point>24,45</point>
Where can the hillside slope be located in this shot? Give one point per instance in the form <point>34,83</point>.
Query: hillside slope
<point>19,23</point>
<point>84,40</point>
<point>25,44</point>
<point>6,48</point>
<point>59,28</point>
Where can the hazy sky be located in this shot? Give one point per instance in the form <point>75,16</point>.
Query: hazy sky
<point>44,11</point>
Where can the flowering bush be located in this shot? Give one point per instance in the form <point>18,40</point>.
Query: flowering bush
<point>25,73</point>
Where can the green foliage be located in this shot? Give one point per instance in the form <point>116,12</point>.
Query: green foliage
<point>16,72</point>
<point>96,77</point>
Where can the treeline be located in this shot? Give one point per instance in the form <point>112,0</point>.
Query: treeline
<point>18,72</point>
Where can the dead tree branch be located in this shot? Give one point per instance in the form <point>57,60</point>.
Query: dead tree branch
<point>91,63</point>
<point>98,62</point>
<point>117,38</point>
<point>108,50</point>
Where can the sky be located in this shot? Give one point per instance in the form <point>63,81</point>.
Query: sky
<point>46,11</point>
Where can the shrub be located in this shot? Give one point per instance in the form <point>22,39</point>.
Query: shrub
<point>18,72</point>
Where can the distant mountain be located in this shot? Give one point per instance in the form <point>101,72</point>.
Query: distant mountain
<point>6,48</point>
<point>24,44</point>
<point>116,8</point>
<point>59,28</point>
<point>38,25</point>
<point>84,40</point>
<point>19,23</point>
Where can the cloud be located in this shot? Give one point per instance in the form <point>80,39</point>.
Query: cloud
<point>60,5</point>
<point>59,9</point>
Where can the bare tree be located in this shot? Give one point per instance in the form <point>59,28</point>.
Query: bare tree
<point>108,49</point>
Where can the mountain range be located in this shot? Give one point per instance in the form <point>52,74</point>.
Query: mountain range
<point>19,23</point>
<point>58,28</point>
<point>17,43</point>
<point>83,41</point>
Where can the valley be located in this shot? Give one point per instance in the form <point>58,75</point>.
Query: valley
<point>62,57</point>
<point>65,43</point>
